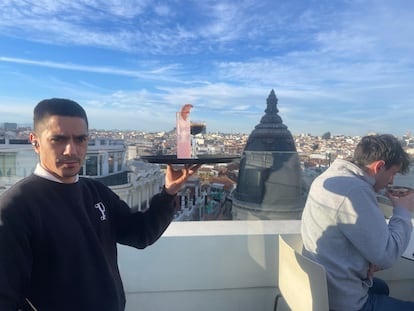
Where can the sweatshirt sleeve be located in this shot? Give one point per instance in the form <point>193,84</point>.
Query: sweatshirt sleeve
<point>140,229</point>
<point>364,224</point>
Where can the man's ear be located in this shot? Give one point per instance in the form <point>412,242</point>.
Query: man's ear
<point>33,140</point>
<point>375,167</point>
<point>378,165</point>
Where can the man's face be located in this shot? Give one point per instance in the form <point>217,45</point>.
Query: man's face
<point>384,176</point>
<point>62,143</point>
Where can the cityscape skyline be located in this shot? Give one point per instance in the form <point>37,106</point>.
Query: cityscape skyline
<point>343,67</point>
<point>97,131</point>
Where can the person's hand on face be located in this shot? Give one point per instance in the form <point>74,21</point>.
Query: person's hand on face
<point>406,201</point>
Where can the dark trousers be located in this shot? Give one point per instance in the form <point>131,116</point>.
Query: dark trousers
<point>378,299</point>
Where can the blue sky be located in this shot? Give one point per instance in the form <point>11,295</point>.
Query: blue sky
<point>341,66</point>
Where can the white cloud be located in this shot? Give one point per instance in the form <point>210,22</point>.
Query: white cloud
<point>347,63</point>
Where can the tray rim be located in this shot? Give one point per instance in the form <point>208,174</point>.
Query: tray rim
<point>172,159</point>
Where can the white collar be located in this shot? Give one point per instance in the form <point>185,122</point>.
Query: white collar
<point>41,172</point>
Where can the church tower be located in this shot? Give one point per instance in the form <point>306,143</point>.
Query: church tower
<point>270,179</point>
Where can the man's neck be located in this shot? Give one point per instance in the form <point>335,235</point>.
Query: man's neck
<point>42,172</point>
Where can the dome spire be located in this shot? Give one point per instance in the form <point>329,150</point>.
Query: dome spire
<point>271,134</point>
<point>271,103</point>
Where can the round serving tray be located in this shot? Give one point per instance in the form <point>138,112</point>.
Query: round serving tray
<point>201,159</point>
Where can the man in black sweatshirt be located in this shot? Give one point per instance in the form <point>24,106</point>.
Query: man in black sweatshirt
<point>59,231</point>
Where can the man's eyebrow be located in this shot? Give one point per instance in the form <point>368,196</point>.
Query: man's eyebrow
<point>68,136</point>
<point>59,136</point>
<point>82,136</point>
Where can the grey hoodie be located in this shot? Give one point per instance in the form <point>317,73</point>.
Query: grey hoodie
<point>344,230</point>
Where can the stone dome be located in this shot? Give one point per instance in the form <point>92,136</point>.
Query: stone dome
<point>271,134</point>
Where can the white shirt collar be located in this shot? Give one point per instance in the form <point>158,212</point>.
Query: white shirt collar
<point>41,172</point>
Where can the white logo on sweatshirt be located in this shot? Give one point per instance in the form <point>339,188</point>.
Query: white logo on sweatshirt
<point>101,207</point>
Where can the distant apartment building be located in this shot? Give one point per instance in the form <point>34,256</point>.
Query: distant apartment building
<point>7,126</point>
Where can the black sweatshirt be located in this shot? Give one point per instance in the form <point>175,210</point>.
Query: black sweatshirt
<point>58,243</point>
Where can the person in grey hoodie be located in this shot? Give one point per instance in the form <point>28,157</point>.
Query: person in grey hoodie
<point>344,229</point>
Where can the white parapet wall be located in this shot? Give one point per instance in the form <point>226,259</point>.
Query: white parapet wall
<point>214,265</point>
<point>219,265</point>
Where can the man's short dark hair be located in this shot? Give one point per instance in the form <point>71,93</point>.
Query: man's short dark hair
<point>383,147</point>
<point>57,107</point>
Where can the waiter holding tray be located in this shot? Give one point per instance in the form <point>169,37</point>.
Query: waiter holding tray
<point>59,231</point>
